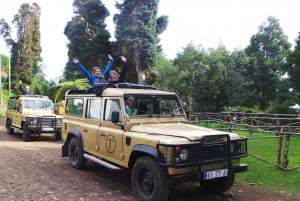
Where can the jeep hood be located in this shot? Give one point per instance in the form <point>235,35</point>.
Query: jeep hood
<point>181,130</point>
<point>38,112</point>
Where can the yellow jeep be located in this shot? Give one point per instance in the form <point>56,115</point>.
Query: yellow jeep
<point>34,115</point>
<point>156,142</point>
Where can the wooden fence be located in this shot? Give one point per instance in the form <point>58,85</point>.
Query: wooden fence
<point>283,126</point>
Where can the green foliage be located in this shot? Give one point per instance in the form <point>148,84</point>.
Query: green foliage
<point>137,30</point>
<point>268,51</point>
<point>89,39</point>
<point>61,88</point>
<point>293,70</point>
<point>25,52</point>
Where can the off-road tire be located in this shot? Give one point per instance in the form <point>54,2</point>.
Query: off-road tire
<point>26,133</point>
<point>75,152</point>
<point>149,182</point>
<point>57,135</point>
<point>9,129</point>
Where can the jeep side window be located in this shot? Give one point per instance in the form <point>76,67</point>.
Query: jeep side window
<point>112,105</point>
<point>74,107</point>
<point>93,109</point>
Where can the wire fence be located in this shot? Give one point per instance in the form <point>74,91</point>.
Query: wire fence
<point>269,134</point>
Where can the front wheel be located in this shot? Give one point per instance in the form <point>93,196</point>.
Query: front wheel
<point>9,129</point>
<point>149,182</point>
<point>26,132</point>
<point>218,185</point>
<point>75,152</point>
<point>57,135</point>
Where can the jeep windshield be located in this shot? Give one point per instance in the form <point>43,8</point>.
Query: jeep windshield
<point>38,104</point>
<point>152,105</point>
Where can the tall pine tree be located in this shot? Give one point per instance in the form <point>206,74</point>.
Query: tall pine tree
<point>268,50</point>
<point>137,30</point>
<point>89,39</point>
<point>26,50</point>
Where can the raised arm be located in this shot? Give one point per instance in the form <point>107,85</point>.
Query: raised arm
<point>82,69</point>
<point>108,66</point>
<point>123,69</point>
<point>21,88</point>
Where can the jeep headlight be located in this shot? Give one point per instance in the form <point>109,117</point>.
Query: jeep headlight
<point>32,121</point>
<point>58,121</point>
<point>182,155</point>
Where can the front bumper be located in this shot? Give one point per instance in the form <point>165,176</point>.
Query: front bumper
<point>199,175</point>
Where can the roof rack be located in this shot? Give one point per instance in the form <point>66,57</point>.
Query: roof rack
<point>34,96</point>
<point>101,87</point>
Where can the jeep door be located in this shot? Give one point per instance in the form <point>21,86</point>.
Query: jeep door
<point>92,122</point>
<point>111,134</point>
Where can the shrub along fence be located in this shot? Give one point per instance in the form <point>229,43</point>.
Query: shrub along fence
<point>281,126</point>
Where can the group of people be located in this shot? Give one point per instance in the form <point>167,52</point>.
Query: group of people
<point>96,78</point>
<point>108,76</point>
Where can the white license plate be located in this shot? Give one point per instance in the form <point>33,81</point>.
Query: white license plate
<point>47,129</point>
<point>215,174</point>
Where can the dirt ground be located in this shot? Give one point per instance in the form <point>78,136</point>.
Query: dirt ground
<point>35,171</point>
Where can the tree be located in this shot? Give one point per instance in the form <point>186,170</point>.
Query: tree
<point>293,67</point>
<point>25,52</point>
<point>268,50</point>
<point>89,39</point>
<point>137,30</point>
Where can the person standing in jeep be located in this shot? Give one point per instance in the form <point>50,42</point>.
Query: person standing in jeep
<point>114,77</point>
<point>25,91</point>
<point>97,77</point>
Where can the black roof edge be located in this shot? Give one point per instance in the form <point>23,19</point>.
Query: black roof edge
<point>101,87</point>
<point>35,96</point>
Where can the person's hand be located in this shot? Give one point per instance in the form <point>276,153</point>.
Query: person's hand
<point>110,57</point>
<point>123,59</point>
<point>75,60</point>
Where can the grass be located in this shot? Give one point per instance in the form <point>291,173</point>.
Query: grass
<point>264,174</point>
<point>268,176</point>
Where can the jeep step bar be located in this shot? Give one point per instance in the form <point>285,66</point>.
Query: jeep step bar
<point>101,162</point>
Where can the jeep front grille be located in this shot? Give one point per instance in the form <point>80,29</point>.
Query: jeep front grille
<point>210,149</point>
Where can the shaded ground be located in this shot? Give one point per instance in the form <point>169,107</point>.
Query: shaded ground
<point>35,171</point>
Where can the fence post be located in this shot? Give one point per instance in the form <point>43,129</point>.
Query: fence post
<point>251,124</point>
<point>279,148</point>
<point>285,159</point>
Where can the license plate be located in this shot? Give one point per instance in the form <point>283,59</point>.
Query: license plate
<point>47,129</point>
<point>215,174</point>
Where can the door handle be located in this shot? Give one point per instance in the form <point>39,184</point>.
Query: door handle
<point>85,130</point>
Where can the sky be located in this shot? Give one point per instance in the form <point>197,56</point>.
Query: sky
<point>206,23</point>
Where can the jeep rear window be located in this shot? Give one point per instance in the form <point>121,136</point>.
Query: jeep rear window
<point>156,104</point>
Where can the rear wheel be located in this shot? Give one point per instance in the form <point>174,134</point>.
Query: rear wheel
<point>9,129</point>
<point>75,152</point>
<point>218,185</point>
<point>149,182</point>
<point>26,133</point>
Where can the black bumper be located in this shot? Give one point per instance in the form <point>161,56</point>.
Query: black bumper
<point>196,176</point>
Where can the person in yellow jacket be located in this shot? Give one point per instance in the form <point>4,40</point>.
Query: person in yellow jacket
<point>61,108</point>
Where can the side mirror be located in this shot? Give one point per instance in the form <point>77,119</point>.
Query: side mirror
<point>115,116</point>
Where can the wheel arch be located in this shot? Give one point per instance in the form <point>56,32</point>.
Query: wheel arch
<point>72,133</point>
<point>142,150</point>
